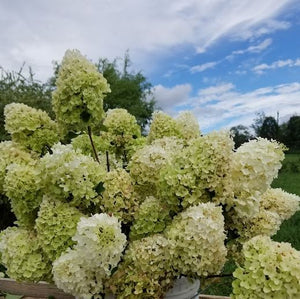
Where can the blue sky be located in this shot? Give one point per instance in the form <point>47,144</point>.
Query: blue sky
<point>224,60</point>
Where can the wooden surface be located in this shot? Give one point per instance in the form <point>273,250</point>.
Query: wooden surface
<point>37,290</point>
<point>43,290</point>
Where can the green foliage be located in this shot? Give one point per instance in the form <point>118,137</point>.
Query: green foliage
<point>129,90</point>
<point>269,128</point>
<point>16,87</point>
<point>241,135</point>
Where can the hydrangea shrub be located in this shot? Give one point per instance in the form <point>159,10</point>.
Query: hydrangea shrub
<point>113,211</point>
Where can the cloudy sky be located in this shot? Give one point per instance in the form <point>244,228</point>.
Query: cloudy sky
<point>223,59</point>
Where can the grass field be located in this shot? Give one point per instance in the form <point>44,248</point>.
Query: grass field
<point>288,180</point>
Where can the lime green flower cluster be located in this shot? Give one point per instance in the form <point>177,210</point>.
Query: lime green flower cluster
<point>30,127</point>
<point>188,125</point>
<point>22,256</point>
<point>71,176</point>
<point>196,173</point>
<point>185,126</point>
<point>82,142</point>
<point>55,226</point>
<point>83,270</point>
<point>147,162</point>
<point>22,187</point>
<point>146,271</point>
<point>10,153</point>
<point>119,197</point>
<point>151,218</point>
<point>270,270</point>
<point>255,164</point>
<point>196,238</point>
<point>78,99</point>
<point>121,126</point>
<point>162,125</point>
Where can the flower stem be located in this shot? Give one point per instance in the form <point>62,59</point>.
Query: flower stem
<point>92,143</point>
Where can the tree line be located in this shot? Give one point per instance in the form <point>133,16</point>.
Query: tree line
<point>268,127</point>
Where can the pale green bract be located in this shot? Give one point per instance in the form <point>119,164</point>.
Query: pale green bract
<point>22,186</point>
<point>10,153</point>
<point>147,162</point>
<point>71,176</point>
<point>83,270</point>
<point>270,270</point>
<point>22,256</point>
<point>280,202</point>
<point>119,198</point>
<point>30,127</point>
<point>55,226</point>
<point>146,271</point>
<point>198,172</point>
<point>82,142</point>
<point>196,238</point>
<point>188,125</point>
<point>151,218</point>
<point>254,165</point>
<point>78,99</point>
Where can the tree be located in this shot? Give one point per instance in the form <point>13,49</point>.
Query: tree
<point>292,137</point>
<point>269,128</point>
<point>129,90</point>
<point>258,122</point>
<point>16,87</point>
<point>241,135</point>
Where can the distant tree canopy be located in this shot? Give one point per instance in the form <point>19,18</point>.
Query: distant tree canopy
<point>267,127</point>
<point>16,87</point>
<point>129,90</point>
<point>241,135</point>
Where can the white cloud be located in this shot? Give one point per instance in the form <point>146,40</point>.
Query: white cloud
<point>168,98</point>
<point>224,106</point>
<point>202,67</point>
<point>39,31</point>
<point>261,68</point>
<point>252,49</point>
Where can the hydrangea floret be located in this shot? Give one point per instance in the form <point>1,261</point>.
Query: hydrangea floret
<point>270,270</point>
<point>83,270</point>
<point>30,127</point>
<point>78,99</point>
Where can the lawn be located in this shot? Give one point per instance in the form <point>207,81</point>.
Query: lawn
<point>288,180</point>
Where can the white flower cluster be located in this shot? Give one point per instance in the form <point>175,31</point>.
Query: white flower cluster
<point>196,239</point>
<point>30,127</point>
<point>188,125</point>
<point>270,270</point>
<point>71,176</point>
<point>255,164</point>
<point>280,202</point>
<point>82,271</point>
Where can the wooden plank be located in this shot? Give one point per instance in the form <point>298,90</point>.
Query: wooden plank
<point>212,297</point>
<point>43,290</point>
<point>27,289</point>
